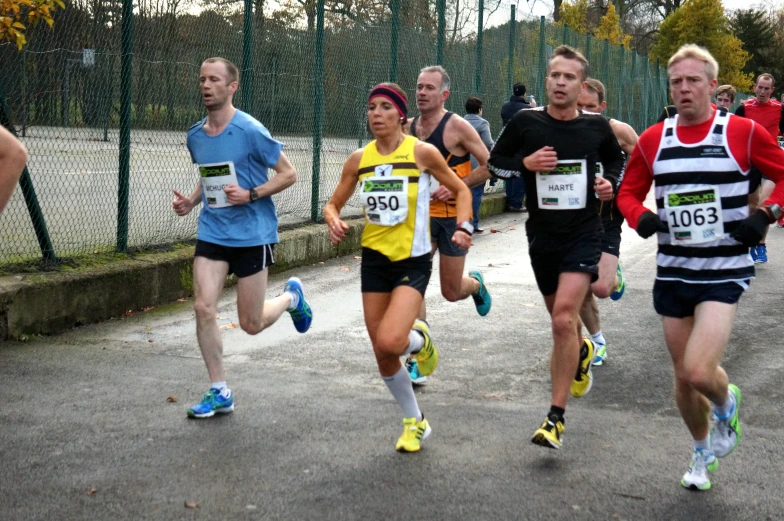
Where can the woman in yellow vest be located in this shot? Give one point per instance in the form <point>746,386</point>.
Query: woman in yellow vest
<point>394,176</point>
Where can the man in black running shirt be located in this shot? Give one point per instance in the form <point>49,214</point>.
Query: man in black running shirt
<point>556,149</point>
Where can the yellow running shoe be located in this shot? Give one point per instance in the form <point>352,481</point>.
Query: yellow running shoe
<point>427,357</point>
<point>550,434</point>
<point>583,380</point>
<point>414,433</point>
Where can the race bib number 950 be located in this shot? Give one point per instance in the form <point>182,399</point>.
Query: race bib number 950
<point>385,200</point>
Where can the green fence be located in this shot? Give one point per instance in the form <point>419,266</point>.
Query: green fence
<point>103,101</point>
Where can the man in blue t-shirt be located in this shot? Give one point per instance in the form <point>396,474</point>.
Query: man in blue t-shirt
<point>238,226</point>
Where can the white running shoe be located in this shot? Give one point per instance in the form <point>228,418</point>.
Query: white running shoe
<point>697,477</point>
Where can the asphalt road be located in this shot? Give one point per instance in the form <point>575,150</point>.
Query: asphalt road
<point>87,430</point>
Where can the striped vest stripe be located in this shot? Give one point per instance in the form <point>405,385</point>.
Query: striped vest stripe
<point>678,167</point>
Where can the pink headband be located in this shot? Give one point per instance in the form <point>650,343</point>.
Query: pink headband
<point>395,98</point>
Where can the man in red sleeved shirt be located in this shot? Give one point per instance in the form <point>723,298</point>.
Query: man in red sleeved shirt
<point>699,163</point>
<point>768,112</point>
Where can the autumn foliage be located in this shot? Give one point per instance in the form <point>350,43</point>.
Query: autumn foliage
<point>703,22</point>
<point>17,16</point>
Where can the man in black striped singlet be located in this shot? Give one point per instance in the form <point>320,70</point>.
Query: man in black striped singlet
<point>699,162</point>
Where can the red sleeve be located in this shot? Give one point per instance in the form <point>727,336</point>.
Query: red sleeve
<point>751,145</point>
<point>638,177</point>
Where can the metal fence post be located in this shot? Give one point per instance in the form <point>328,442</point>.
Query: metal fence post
<point>622,87</point>
<point>565,34</point>
<point>126,79</point>
<point>395,6</point>
<point>510,66</point>
<point>247,57</point>
<point>542,61</point>
<point>478,75</point>
<point>318,111</point>
<point>646,75</point>
<point>588,39</point>
<point>659,83</point>
<point>441,8</point>
<point>632,116</point>
<point>28,191</point>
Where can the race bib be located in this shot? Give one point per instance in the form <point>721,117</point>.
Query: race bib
<point>564,188</point>
<point>781,141</point>
<point>694,215</point>
<point>214,178</point>
<point>385,197</point>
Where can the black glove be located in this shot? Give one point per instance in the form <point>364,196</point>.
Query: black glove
<point>649,224</point>
<point>751,229</point>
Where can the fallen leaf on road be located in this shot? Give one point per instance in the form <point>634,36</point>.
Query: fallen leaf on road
<point>92,491</point>
<point>149,308</point>
<point>321,263</point>
<point>181,300</point>
<point>229,326</point>
<point>512,228</point>
<point>493,230</point>
<point>171,399</point>
<point>489,265</point>
<point>357,257</point>
<point>345,268</point>
<point>150,340</point>
<point>149,329</point>
<point>191,504</point>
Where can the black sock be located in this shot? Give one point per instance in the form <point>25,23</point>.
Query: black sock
<point>556,414</point>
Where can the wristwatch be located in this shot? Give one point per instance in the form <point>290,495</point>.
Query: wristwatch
<point>254,196</point>
<point>466,227</point>
<point>775,212</point>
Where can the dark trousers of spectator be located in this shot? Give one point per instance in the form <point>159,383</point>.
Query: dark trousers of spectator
<point>476,193</point>
<point>515,192</point>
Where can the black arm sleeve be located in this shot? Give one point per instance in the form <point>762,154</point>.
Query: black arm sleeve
<point>740,111</point>
<point>505,157</point>
<point>612,158</point>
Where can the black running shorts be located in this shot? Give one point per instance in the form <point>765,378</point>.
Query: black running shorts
<point>243,261</point>
<point>611,236</point>
<point>677,299</point>
<point>553,255</point>
<point>381,275</point>
<point>441,231</point>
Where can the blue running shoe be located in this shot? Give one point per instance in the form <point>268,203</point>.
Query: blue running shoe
<point>621,289</point>
<point>212,402</point>
<point>753,252</point>
<point>482,299</point>
<point>302,315</point>
<point>762,254</point>
<point>412,368</point>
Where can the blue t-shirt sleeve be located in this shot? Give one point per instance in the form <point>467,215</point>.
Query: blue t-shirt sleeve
<point>264,147</point>
<point>188,145</point>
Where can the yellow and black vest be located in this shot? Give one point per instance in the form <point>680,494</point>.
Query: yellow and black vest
<point>410,238</point>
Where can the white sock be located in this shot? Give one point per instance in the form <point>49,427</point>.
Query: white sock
<point>402,391</point>
<point>221,386</point>
<point>723,411</point>
<point>702,444</point>
<point>598,338</point>
<point>415,342</point>
<point>294,299</point>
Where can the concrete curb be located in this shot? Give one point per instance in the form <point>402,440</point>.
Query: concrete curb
<point>49,302</point>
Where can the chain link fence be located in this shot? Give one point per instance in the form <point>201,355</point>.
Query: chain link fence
<point>103,106</point>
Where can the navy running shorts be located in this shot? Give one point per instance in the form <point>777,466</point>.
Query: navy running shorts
<point>677,299</point>
<point>441,231</point>
<point>243,261</point>
<point>553,255</point>
<point>381,275</point>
